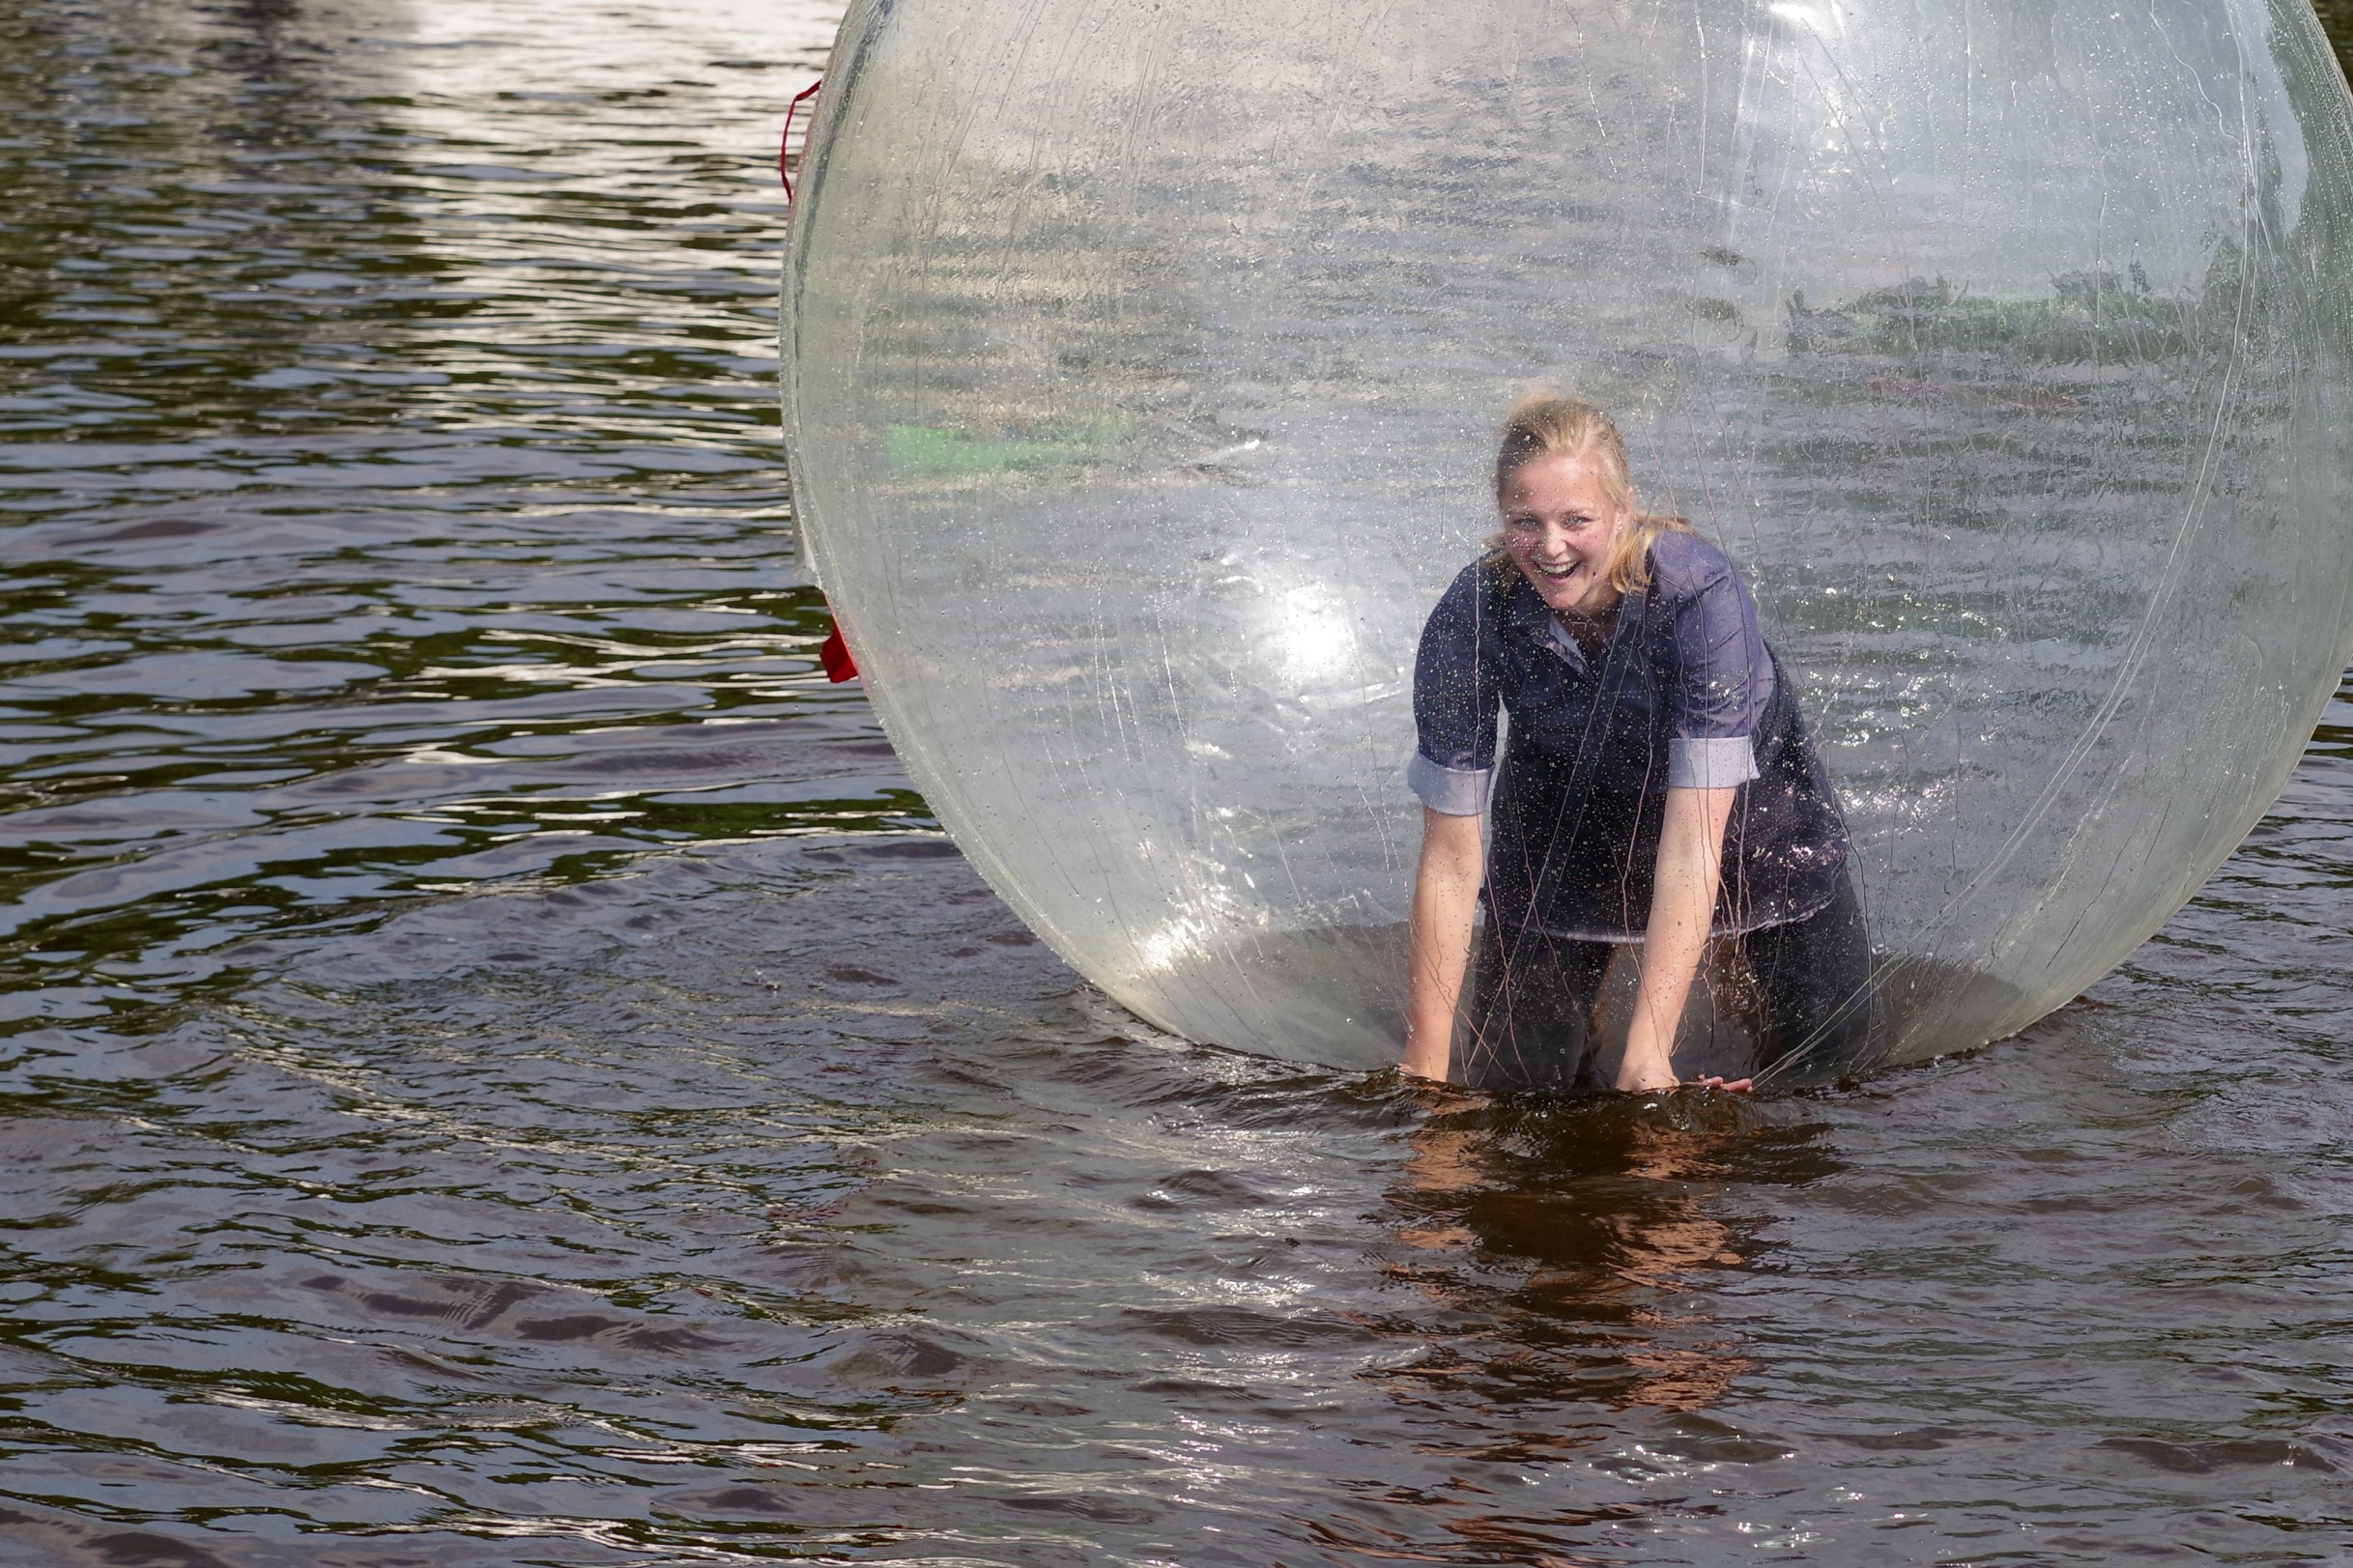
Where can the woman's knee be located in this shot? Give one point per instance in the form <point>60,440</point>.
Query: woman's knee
<point>1531,1020</point>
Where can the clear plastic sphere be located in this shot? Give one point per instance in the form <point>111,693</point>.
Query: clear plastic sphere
<point>1142,365</point>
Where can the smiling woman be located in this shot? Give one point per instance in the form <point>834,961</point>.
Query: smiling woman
<point>1650,727</point>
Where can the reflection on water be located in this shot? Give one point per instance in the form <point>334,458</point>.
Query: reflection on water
<point>391,467</point>
<point>1584,1220</point>
<point>500,1069</point>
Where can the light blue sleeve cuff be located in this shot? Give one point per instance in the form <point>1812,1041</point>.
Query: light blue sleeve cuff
<point>1711,764</point>
<point>1449,791</point>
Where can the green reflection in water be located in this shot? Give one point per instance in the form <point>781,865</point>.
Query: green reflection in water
<point>392,457</point>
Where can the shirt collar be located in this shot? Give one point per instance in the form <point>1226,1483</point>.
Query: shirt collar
<point>1525,611</point>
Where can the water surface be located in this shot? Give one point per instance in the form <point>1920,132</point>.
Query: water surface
<point>502,1070</point>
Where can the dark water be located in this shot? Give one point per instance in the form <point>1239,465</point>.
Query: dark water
<point>502,1068</point>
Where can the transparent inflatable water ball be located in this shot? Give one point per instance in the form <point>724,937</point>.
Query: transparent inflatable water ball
<point>1142,365</point>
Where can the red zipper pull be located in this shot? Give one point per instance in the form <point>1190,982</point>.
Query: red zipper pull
<point>836,657</point>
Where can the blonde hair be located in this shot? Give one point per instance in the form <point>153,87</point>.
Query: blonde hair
<point>1546,424</point>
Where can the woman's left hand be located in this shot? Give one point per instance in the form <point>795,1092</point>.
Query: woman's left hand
<point>1646,1071</point>
<point>1660,1079</point>
<point>1683,906</point>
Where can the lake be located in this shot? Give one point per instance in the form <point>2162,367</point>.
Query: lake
<point>501,1068</point>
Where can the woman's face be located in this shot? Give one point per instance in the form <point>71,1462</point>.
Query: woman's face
<point>1560,527</point>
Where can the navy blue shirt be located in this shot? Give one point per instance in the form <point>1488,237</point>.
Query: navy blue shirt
<point>1685,694</point>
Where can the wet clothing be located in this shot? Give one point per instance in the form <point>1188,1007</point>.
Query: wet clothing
<point>1532,995</point>
<point>1685,694</point>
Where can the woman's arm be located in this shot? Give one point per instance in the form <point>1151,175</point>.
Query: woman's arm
<point>1445,894</point>
<point>1683,906</point>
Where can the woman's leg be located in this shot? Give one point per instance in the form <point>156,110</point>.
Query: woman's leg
<point>1532,1010</point>
<point>1820,1007</point>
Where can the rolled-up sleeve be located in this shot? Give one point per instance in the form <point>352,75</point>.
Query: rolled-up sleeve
<point>1457,687</point>
<point>1723,679</point>
<point>1453,791</point>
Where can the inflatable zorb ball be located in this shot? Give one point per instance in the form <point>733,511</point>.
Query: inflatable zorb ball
<point>1142,364</point>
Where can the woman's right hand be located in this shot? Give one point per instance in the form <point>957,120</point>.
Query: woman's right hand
<point>1446,897</point>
